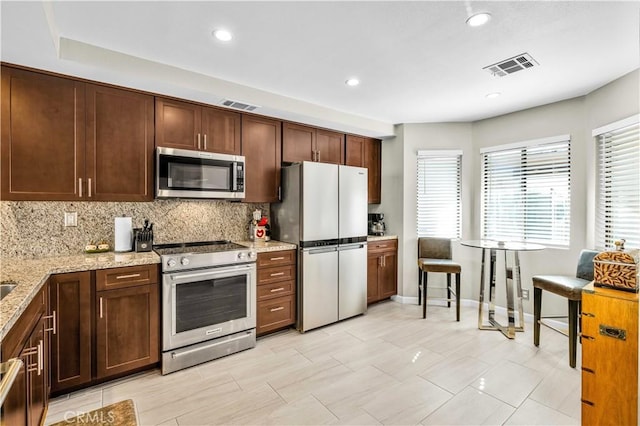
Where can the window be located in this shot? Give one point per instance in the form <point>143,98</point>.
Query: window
<point>618,184</point>
<point>526,191</point>
<point>439,195</point>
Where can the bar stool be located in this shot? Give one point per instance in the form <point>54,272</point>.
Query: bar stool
<point>434,255</point>
<point>570,288</point>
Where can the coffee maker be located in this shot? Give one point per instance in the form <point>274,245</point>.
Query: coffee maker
<point>376,224</point>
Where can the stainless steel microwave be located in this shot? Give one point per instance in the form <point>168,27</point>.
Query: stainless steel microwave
<point>182,173</point>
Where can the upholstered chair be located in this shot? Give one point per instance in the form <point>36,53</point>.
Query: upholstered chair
<point>434,255</point>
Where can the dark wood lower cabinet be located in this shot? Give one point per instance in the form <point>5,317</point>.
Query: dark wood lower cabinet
<point>127,329</point>
<point>71,345</point>
<point>105,333</point>
<point>382,270</point>
<point>276,291</point>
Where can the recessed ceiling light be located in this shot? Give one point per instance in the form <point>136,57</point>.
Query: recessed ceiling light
<point>352,82</point>
<point>493,95</point>
<point>222,35</point>
<point>478,19</point>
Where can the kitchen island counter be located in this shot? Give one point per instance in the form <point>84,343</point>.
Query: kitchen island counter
<point>31,273</point>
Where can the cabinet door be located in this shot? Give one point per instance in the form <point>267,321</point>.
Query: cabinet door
<point>261,147</point>
<point>71,345</point>
<point>373,159</point>
<point>127,329</point>
<point>330,147</point>
<point>298,143</point>
<point>387,281</point>
<point>354,155</point>
<point>119,145</point>
<point>373,262</point>
<point>178,124</point>
<point>220,131</point>
<point>42,136</point>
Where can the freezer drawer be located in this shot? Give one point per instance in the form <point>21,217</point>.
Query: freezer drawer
<point>318,293</point>
<point>352,270</point>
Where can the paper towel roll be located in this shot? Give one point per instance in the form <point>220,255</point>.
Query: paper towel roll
<point>124,234</point>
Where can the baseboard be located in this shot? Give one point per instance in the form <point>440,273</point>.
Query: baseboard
<point>500,310</point>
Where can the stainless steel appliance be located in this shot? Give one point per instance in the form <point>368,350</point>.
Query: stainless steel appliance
<point>324,211</point>
<point>182,173</point>
<point>208,301</point>
<point>376,224</point>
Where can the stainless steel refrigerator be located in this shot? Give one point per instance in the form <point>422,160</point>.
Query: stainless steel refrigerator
<point>324,212</point>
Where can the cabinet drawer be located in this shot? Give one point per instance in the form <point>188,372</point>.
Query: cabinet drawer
<point>384,245</point>
<point>275,274</point>
<point>269,291</point>
<point>276,313</point>
<point>107,279</point>
<point>17,336</point>
<point>276,258</point>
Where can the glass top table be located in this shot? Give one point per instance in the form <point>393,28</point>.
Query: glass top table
<point>491,247</point>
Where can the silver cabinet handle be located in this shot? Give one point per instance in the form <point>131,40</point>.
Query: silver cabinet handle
<point>123,277</point>
<point>198,140</point>
<point>53,318</point>
<point>40,357</point>
<point>277,274</point>
<point>279,308</point>
<point>80,187</point>
<point>381,245</point>
<point>276,289</point>
<point>101,307</point>
<point>318,155</point>
<point>205,141</point>
<point>89,186</point>
<point>277,258</point>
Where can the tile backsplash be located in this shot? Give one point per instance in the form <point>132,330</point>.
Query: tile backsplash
<point>36,228</point>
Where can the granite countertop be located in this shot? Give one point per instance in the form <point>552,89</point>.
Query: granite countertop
<point>381,237</point>
<point>267,245</point>
<point>31,274</point>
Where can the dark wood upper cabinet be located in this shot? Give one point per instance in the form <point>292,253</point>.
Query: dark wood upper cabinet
<point>67,140</point>
<point>330,147</point>
<point>177,124</point>
<point>298,143</point>
<point>185,125</point>
<point>43,136</point>
<point>373,162</point>
<point>304,143</point>
<point>355,155</point>
<point>119,145</point>
<point>261,147</point>
<point>221,131</point>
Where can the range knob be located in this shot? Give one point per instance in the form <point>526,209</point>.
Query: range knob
<point>242,255</point>
<point>171,263</point>
<point>184,261</point>
<point>252,255</point>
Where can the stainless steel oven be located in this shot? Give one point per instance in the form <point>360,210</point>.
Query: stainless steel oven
<point>208,306</point>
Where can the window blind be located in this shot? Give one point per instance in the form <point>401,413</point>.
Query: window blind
<point>439,194</point>
<point>618,187</point>
<point>526,193</point>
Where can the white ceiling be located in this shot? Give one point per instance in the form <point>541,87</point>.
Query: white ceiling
<point>417,60</point>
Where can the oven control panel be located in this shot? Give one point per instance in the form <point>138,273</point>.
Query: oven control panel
<point>194,261</point>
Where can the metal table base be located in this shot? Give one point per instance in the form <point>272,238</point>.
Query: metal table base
<point>510,329</point>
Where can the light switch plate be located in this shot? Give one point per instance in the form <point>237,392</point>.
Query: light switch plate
<point>525,294</point>
<point>70,218</point>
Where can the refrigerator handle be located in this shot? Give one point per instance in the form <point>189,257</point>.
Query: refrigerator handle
<point>351,247</point>
<point>320,250</point>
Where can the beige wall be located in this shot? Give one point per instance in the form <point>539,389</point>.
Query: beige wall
<point>577,117</point>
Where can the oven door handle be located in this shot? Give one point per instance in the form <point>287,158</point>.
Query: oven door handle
<point>181,276</point>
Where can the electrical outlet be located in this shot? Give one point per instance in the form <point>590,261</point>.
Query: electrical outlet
<point>525,294</point>
<point>70,218</point>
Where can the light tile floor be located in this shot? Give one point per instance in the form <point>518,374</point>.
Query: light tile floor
<point>386,367</point>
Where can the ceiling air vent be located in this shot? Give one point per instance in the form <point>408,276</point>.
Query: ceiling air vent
<point>239,105</point>
<point>511,65</point>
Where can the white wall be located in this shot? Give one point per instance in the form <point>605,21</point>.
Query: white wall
<point>577,117</point>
